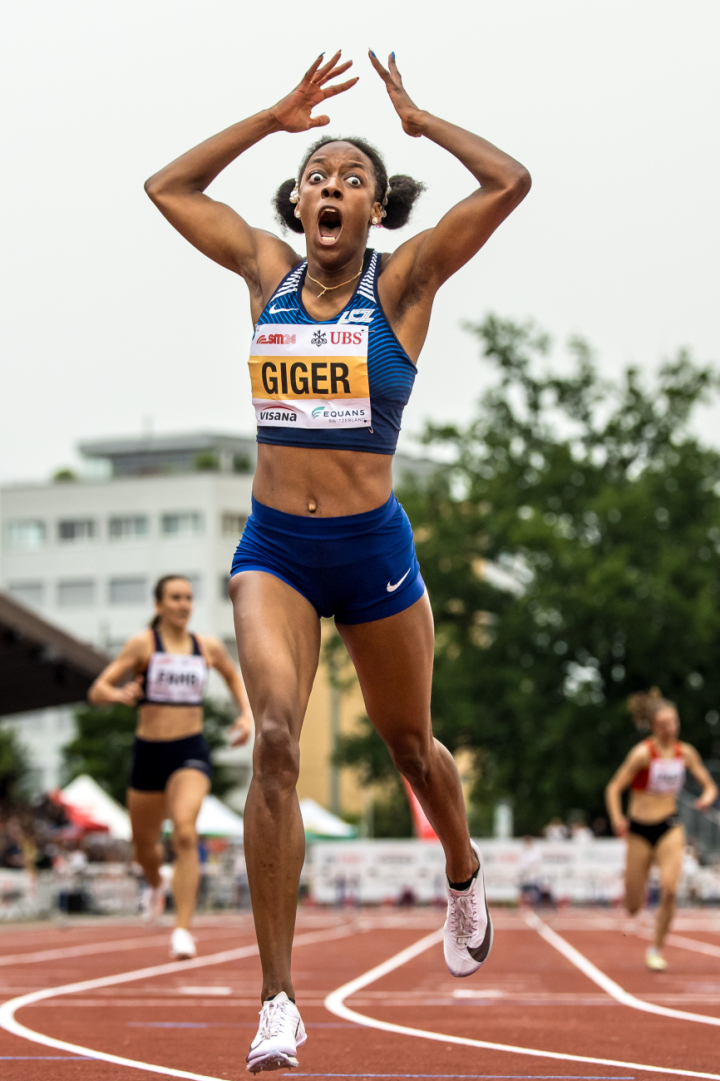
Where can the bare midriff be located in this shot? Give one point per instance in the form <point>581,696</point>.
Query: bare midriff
<point>650,807</point>
<point>160,722</point>
<point>321,483</point>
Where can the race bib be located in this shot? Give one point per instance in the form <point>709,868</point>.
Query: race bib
<point>176,678</point>
<point>310,376</point>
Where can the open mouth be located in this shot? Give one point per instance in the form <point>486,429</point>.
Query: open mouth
<point>329,224</point>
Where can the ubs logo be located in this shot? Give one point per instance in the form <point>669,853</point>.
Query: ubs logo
<point>319,338</point>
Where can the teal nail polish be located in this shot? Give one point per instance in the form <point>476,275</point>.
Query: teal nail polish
<point>393,56</point>
<point>372,54</point>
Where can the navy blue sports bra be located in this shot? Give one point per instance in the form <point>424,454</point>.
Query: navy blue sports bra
<point>342,383</point>
<point>174,679</point>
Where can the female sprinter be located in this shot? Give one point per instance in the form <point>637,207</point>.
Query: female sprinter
<point>655,773</point>
<point>171,769</point>
<point>332,364</point>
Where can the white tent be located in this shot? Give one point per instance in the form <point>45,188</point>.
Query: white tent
<point>88,797</point>
<point>323,823</point>
<point>216,819</point>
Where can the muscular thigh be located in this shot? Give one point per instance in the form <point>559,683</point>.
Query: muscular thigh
<point>278,637</point>
<point>669,856</point>
<point>185,791</point>
<point>393,658</point>
<point>147,813</point>
<point>638,861</point>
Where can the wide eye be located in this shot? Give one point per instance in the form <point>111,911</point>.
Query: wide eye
<point>354,181</point>
<point>315,178</point>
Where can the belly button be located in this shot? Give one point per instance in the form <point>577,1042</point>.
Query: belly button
<point>312,506</point>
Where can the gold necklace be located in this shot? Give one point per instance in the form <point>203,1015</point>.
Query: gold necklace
<point>329,288</point>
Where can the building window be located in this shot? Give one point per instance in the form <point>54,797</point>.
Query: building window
<point>224,583</point>
<point>128,591</point>
<point>76,593</point>
<point>128,526</point>
<point>186,523</point>
<point>31,594</point>
<point>76,529</point>
<point>25,533</point>
<point>233,524</point>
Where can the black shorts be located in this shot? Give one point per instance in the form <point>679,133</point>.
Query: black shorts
<point>155,760</point>
<point>652,832</point>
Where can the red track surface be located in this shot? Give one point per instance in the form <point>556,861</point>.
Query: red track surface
<point>201,1020</point>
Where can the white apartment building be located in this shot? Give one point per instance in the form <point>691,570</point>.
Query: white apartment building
<point>86,553</point>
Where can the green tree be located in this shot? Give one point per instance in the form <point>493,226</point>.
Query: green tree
<point>572,556</point>
<point>103,745</point>
<point>14,770</point>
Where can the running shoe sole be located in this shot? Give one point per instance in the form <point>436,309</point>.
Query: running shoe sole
<point>276,1060</point>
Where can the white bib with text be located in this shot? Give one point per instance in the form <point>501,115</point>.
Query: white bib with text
<point>310,376</point>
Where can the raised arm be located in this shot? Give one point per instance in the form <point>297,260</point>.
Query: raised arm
<point>430,258</point>
<point>132,658</point>
<point>694,763</point>
<point>214,228</point>
<point>637,759</point>
<point>220,660</point>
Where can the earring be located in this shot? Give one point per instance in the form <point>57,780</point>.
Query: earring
<point>297,212</point>
<point>295,194</point>
<point>377,221</point>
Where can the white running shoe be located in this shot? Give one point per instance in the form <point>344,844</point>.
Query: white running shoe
<point>655,960</point>
<point>152,903</point>
<point>182,945</point>
<point>468,928</point>
<point>280,1034</point>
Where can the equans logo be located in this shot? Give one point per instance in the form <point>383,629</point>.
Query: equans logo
<point>357,315</point>
<point>337,413</point>
<point>276,339</point>
<point>318,410</point>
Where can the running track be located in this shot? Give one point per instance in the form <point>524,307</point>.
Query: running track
<point>563,997</point>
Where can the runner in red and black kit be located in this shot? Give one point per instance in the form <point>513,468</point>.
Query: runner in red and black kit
<point>655,773</point>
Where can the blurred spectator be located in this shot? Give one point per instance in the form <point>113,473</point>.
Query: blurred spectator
<point>529,872</point>
<point>555,830</point>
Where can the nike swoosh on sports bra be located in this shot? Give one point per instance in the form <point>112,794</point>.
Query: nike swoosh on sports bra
<point>342,383</point>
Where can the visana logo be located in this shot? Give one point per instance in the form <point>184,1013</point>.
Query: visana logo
<point>319,338</point>
<point>357,315</point>
<point>276,339</point>
<point>283,415</point>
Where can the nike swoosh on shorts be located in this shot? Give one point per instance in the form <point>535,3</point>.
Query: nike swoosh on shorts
<point>391,588</point>
<point>275,311</point>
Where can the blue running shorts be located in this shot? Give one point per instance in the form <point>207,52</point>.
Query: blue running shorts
<point>358,567</point>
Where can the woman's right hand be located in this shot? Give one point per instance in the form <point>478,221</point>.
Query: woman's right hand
<point>292,113</point>
<point>129,694</point>
<point>620,826</point>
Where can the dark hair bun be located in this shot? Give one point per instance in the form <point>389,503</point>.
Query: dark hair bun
<point>403,193</point>
<point>284,209</point>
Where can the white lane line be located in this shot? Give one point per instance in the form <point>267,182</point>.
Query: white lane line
<point>688,944</point>
<point>335,1003</point>
<point>613,989</point>
<point>8,1009</point>
<point>88,948</point>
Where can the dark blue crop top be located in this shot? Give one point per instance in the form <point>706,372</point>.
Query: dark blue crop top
<point>342,383</point>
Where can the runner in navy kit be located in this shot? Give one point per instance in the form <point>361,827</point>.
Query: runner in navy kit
<point>171,770</point>
<point>332,364</point>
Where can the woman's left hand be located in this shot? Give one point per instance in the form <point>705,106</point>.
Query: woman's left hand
<point>241,730</point>
<point>410,116</point>
<point>705,802</point>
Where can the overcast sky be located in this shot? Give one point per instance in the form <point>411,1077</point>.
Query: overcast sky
<point>111,322</point>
